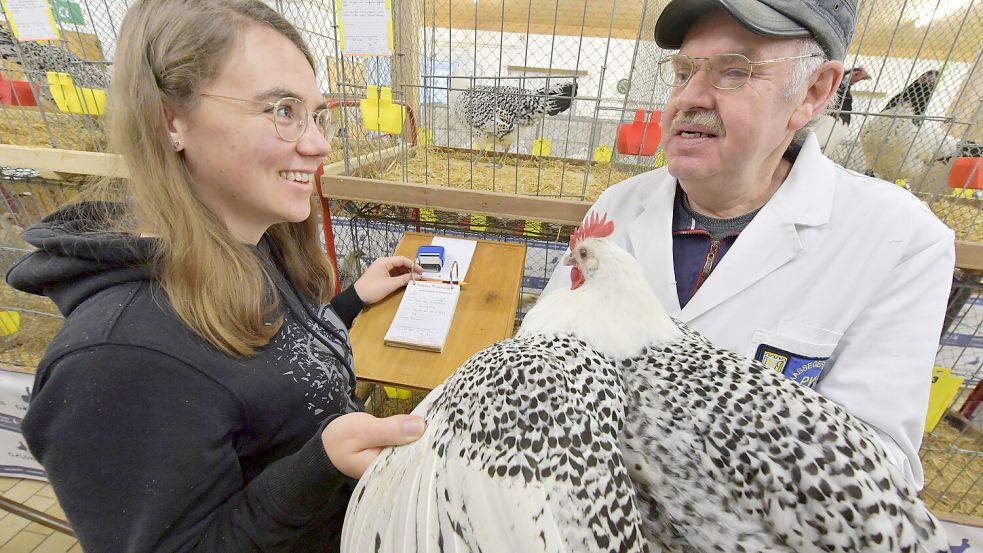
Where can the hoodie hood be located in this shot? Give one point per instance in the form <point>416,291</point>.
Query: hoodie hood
<point>78,256</point>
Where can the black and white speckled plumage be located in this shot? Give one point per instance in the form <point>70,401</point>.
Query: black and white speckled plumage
<point>38,58</point>
<point>520,455</point>
<point>495,113</point>
<point>723,455</point>
<point>727,455</point>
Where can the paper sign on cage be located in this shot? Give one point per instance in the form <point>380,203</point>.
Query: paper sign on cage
<point>67,12</point>
<point>365,27</point>
<point>31,20</point>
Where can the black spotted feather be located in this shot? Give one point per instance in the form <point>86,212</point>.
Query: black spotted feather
<point>520,455</point>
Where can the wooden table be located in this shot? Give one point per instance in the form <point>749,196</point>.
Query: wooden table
<point>485,314</point>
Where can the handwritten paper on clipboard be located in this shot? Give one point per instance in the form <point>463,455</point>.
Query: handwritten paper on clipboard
<point>424,316</point>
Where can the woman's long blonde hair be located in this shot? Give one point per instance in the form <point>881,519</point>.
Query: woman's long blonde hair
<point>168,51</point>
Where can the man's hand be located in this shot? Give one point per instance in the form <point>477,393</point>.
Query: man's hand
<point>354,440</point>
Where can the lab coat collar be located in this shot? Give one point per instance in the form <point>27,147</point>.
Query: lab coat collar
<point>650,237</point>
<point>770,241</point>
<point>806,196</point>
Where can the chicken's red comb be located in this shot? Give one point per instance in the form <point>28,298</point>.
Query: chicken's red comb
<point>592,227</point>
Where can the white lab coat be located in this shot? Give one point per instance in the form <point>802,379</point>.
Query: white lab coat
<point>835,265</point>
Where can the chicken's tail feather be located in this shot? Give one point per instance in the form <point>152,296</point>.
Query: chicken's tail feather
<point>559,97</point>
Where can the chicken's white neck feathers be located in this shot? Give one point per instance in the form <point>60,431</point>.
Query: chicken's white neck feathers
<point>615,310</point>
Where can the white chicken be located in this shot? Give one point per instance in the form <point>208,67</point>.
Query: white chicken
<point>530,444</point>
<point>833,127</point>
<point>520,453</point>
<point>899,144</point>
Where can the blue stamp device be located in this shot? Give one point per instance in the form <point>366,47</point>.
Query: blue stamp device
<point>431,258</point>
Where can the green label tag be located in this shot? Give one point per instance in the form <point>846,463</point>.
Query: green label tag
<point>66,11</point>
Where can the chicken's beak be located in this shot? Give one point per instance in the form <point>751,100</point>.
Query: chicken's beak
<point>859,74</point>
<point>576,275</point>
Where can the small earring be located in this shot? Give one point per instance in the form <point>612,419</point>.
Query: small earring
<point>177,146</point>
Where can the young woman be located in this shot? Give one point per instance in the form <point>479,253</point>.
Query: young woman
<point>200,396</point>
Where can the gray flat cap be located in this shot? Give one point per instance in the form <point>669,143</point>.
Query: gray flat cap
<point>830,22</point>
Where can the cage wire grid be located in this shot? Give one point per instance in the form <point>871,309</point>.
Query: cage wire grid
<point>607,49</point>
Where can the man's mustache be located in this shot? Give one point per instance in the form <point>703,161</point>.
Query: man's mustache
<point>709,119</point>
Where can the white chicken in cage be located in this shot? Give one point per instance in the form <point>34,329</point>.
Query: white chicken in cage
<point>832,128</point>
<point>900,144</point>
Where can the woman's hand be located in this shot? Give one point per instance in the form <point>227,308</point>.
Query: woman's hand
<point>383,277</point>
<point>354,440</point>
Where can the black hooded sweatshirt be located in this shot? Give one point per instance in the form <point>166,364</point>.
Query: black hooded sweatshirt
<point>155,441</point>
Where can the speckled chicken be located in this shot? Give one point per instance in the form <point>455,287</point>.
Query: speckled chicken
<point>520,453</point>
<point>529,442</point>
<point>727,455</point>
<point>495,113</point>
<point>38,58</point>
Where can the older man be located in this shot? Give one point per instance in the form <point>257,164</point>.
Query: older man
<point>766,246</point>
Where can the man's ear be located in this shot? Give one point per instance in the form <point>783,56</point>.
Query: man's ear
<point>821,89</point>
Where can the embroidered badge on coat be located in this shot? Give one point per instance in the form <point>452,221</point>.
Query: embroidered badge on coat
<point>802,369</point>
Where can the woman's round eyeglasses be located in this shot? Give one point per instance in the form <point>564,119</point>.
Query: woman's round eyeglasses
<point>725,71</point>
<point>290,117</point>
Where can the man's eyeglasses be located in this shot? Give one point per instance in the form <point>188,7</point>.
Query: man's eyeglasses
<point>290,117</point>
<point>725,71</point>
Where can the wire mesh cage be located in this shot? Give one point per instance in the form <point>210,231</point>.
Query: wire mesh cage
<point>580,81</point>
<point>27,322</point>
<point>907,112</point>
<point>52,93</point>
<point>364,232</point>
<point>952,452</point>
<point>550,72</point>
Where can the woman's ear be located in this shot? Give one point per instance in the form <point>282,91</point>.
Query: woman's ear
<point>176,126</point>
<point>822,88</point>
